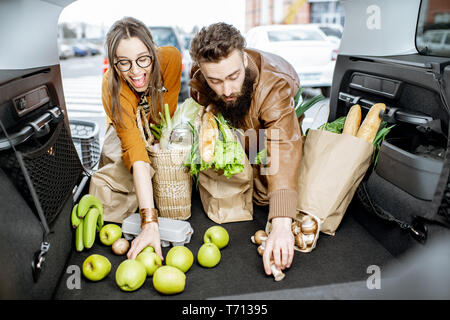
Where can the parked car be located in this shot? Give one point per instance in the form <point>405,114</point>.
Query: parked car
<point>65,51</point>
<point>333,31</point>
<point>80,49</point>
<point>304,46</point>
<point>391,244</point>
<point>435,42</point>
<point>169,36</point>
<point>93,49</point>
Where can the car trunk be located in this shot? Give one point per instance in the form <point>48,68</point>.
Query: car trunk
<point>403,183</point>
<point>343,258</point>
<point>340,266</point>
<point>342,262</point>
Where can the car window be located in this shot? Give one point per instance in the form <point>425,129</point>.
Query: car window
<point>293,35</point>
<point>447,39</point>
<point>436,38</point>
<point>331,32</point>
<point>165,37</point>
<point>433,25</point>
<point>427,37</point>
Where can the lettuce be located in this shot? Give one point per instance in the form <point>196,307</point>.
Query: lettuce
<point>229,155</point>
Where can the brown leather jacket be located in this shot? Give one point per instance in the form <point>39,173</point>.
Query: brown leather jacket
<point>272,109</point>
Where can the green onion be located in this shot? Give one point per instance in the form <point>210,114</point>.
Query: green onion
<point>379,138</point>
<point>336,126</point>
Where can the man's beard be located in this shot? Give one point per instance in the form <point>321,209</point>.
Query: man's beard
<point>235,111</point>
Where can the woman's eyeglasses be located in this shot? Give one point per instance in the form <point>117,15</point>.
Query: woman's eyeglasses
<point>124,65</point>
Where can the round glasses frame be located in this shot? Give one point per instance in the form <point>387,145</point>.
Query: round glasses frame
<point>142,64</point>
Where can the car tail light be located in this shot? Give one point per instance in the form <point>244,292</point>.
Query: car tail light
<point>105,64</point>
<point>182,62</point>
<point>334,55</point>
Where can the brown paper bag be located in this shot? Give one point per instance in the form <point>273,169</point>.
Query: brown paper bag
<point>113,184</point>
<point>227,199</point>
<point>331,169</point>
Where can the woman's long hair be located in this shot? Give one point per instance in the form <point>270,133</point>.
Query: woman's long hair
<point>124,29</point>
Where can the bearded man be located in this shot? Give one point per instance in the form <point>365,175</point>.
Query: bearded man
<point>255,90</point>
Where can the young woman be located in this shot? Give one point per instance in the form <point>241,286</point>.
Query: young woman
<point>140,74</point>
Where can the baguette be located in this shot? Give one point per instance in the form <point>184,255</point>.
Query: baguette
<point>353,120</point>
<point>371,123</point>
<point>207,137</point>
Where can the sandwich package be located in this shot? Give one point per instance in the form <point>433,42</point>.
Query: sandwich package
<point>334,164</point>
<point>221,170</point>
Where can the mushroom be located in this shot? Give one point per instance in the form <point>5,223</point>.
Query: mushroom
<point>309,226</point>
<point>277,273</point>
<point>308,238</point>
<point>260,249</point>
<point>296,227</point>
<point>299,241</point>
<point>306,218</point>
<point>259,237</point>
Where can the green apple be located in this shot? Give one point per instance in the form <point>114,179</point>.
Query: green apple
<point>150,260</point>
<point>96,267</point>
<point>148,249</point>
<point>208,255</point>
<point>180,257</point>
<point>110,233</point>
<point>169,280</point>
<point>130,275</point>
<point>217,235</point>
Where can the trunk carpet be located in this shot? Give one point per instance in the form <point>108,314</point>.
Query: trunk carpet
<point>342,258</point>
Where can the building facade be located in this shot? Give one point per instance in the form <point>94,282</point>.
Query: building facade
<point>264,12</point>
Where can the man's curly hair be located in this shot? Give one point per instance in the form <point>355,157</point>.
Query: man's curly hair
<point>215,42</point>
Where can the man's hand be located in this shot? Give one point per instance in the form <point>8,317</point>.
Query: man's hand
<point>279,245</point>
<point>149,236</point>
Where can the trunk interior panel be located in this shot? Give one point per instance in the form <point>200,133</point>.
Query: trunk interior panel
<point>404,181</point>
<point>32,110</point>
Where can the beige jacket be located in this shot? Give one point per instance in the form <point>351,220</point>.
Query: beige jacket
<point>272,109</point>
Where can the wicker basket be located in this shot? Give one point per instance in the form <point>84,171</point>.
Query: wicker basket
<point>172,184</point>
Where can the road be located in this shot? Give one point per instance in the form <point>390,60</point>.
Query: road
<point>82,83</point>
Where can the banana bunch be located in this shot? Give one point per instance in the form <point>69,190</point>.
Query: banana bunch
<point>87,219</point>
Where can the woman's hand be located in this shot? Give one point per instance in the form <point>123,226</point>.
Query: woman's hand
<point>149,236</point>
<point>279,245</point>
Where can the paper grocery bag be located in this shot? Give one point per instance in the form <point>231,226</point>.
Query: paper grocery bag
<point>331,169</point>
<point>227,199</point>
<point>112,183</point>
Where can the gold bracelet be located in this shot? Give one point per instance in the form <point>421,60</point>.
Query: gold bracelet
<point>148,215</point>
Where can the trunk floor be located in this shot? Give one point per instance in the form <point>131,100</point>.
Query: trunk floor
<point>342,258</point>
